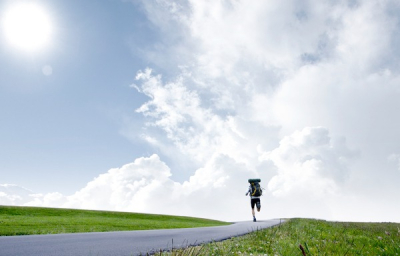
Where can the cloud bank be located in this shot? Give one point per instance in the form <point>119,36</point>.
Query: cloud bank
<point>304,96</point>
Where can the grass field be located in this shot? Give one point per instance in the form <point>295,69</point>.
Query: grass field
<point>303,237</point>
<point>316,237</point>
<point>36,220</point>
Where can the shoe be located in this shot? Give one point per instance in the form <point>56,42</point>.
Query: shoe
<point>254,219</point>
<point>258,206</point>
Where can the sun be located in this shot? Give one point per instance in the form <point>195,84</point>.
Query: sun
<point>27,26</point>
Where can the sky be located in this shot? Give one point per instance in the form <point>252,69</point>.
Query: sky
<point>169,107</point>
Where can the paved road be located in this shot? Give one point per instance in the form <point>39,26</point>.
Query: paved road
<point>122,243</point>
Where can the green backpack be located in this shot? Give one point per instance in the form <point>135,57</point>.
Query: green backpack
<point>256,189</point>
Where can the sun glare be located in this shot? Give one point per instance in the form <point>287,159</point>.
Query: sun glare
<point>27,26</point>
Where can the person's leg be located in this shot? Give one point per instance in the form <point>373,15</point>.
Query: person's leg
<point>258,203</point>
<point>253,203</point>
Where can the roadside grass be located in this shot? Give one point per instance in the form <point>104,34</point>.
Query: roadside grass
<point>15,220</point>
<point>306,237</point>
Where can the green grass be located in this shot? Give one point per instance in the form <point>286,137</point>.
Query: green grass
<point>37,220</point>
<point>316,237</point>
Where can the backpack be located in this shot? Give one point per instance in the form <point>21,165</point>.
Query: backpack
<point>256,189</point>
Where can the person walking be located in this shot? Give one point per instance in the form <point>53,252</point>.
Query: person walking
<point>255,191</point>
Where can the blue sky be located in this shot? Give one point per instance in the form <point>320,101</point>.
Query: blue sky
<point>175,102</point>
<point>66,125</point>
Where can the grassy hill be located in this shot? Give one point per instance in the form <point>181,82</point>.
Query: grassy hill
<point>306,237</point>
<point>15,220</point>
<point>294,237</point>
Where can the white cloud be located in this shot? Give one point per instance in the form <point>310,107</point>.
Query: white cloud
<point>261,71</point>
<point>145,186</point>
<point>125,188</point>
<point>197,130</point>
<point>310,163</point>
<point>54,199</point>
<point>11,194</point>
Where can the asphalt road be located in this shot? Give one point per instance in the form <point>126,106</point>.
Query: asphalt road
<point>122,243</point>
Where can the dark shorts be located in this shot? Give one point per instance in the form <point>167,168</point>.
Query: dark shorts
<point>254,201</point>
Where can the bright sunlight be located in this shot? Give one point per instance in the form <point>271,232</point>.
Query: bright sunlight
<point>27,26</point>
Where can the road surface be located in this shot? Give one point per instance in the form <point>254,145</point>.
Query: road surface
<point>123,242</point>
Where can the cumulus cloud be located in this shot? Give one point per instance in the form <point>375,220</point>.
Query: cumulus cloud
<point>145,186</point>
<point>197,130</point>
<point>128,187</point>
<point>304,95</point>
<point>11,194</point>
<point>309,162</point>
